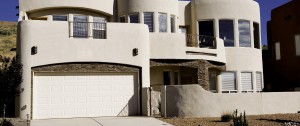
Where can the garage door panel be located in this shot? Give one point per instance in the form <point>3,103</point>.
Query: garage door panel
<point>61,95</point>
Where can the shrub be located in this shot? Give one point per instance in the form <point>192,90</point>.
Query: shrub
<point>226,117</point>
<point>10,79</point>
<point>5,122</point>
<point>239,120</point>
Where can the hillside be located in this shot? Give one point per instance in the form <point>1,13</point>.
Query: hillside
<point>8,37</point>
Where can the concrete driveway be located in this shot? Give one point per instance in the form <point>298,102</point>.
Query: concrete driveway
<point>101,121</point>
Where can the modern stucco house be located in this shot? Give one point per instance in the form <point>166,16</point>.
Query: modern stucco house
<point>99,57</point>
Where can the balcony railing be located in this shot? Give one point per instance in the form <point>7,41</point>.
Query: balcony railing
<point>201,41</point>
<point>96,30</point>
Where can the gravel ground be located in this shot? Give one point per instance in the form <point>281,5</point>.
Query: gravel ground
<point>258,120</point>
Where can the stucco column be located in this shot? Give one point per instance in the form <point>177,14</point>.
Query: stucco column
<point>70,18</point>
<point>236,33</point>
<point>251,34</point>
<point>168,23</point>
<point>141,17</point>
<point>238,82</point>
<point>90,27</point>
<point>254,81</point>
<point>49,18</point>
<point>155,22</point>
<point>219,83</point>
<point>216,27</point>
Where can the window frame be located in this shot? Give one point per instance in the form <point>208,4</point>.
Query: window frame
<point>66,15</point>
<point>153,27</point>
<point>258,34</point>
<point>252,82</point>
<point>233,26</point>
<point>235,82</point>
<point>138,17</point>
<point>173,27</point>
<point>159,23</point>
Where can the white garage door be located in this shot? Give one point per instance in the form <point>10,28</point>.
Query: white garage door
<point>67,95</point>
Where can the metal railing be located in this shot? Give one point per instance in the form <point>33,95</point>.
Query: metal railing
<point>96,30</point>
<point>201,41</point>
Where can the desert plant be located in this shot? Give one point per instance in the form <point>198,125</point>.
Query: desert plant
<point>239,120</point>
<point>226,117</point>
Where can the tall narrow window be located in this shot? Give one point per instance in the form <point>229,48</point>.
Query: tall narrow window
<point>207,33</point>
<point>148,20</point>
<point>134,18</point>
<point>226,31</point>
<point>172,21</point>
<point>244,33</point>
<point>259,86</point>
<point>246,80</point>
<point>122,19</point>
<point>297,44</point>
<point>162,18</point>
<point>256,35</point>
<point>167,77</point>
<point>213,81</point>
<point>80,26</point>
<point>277,51</point>
<point>99,28</point>
<point>60,18</point>
<point>229,81</point>
<point>176,78</point>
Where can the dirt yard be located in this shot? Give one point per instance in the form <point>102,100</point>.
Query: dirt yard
<point>259,120</point>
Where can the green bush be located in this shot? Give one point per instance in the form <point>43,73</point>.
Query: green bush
<point>227,117</point>
<point>5,122</point>
<point>239,120</point>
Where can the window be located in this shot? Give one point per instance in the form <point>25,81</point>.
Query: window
<point>207,33</point>
<point>167,77</point>
<point>277,51</point>
<point>134,18</point>
<point>256,35</point>
<point>162,18</point>
<point>229,82</point>
<point>244,33</point>
<point>122,19</point>
<point>148,20</point>
<point>206,28</point>
<point>80,26</point>
<point>99,28</point>
<point>259,81</point>
<point>172,19</point>
<point>60,18</point>
<point>246,80</point>
<point>297,44</point>
<point>213,81</point>
<point>176,78</point>
<point>226,31</point>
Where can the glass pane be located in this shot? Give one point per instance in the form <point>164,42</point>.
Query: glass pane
<point>99,28</point>
<point>162,18</point>
<point>122,19</point>
<point>167,78</point>
<point>148,20</point>
<point>256,35</point>
<point>244,33</point>
<point>206,28</point>
<point>172,24</point>
<point>60,18</point>
<point>80,26</point>
<point>134,18</point>
<point>226,32</point>
<point>176,78</point>
<point>212,81</point>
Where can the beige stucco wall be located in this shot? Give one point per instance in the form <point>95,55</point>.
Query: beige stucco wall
<point>173,46</point>
<point>105,6</point>
<point>55,46</point>
<point>194,101</point>
<point>184,13</point>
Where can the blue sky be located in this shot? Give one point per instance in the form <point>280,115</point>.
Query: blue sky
<point>8,12</point>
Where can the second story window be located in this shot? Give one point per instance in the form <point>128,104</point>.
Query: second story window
<point>134,18</point>
<point>172,21</point>
<point>244,33</point>
<point>162,19</point>
<point>80,26</point>
<point>148,19</point>
<point>226,32</point>
<point>60,18</point>
<point>122,19</point>
<point>99,28</point>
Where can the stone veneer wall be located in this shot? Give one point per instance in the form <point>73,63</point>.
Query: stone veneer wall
<point>203,67</point>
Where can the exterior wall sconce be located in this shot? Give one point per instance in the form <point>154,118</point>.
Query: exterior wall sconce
<point>135,52</point>
<point>34,50</point>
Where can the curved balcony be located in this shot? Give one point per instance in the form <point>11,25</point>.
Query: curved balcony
<point>186,47</point>
<point>104,6</point>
